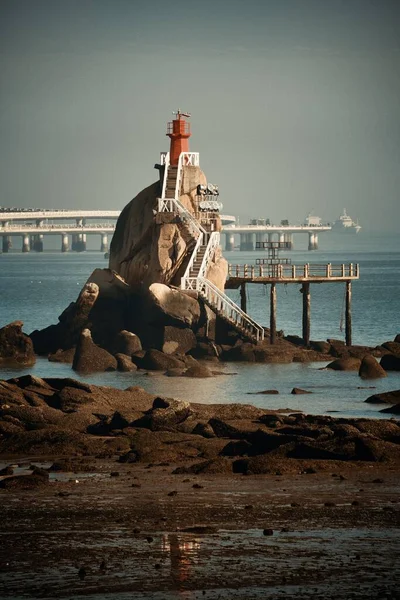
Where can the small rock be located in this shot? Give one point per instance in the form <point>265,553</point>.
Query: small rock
<point>173,493</point>
<point>299,391</point>
<point>268,532</point>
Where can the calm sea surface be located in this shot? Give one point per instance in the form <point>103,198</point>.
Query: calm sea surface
<point>36,288</point>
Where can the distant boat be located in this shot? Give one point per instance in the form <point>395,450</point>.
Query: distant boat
<point>345,224</point>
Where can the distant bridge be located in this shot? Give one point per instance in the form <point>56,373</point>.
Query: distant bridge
<point>33,223</point>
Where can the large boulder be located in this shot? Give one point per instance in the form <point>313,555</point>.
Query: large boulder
<point>178,340</point>
<point>345,364</point>
<point>126,342</point>
<point>385,398</point>
<point>16,348</point>
<point>173,307</point>
<point>370,368</point>
<point>390,362</point>
<point>167,413</point>
<point>394,410</point>
<point>89,358</point>
<point>72,321</point>
<point>125,363</point>
<point>393,347</point>
<point>199,371</point>
<point>154,360</point>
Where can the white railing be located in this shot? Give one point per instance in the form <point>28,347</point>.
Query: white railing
<point>51,227</point>
<point>186,159</point>
<point>189,267</point>
<point>226,307</point>
<point>175,206</point>
<point>212,245</point>
<point>190,159</point>
<point>165,162</point>
<point>164,156</point>
<point>288,271</point>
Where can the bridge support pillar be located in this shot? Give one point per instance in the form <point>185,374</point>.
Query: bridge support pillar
<point>64,242</point>
<point>243,241</point>
<point>272,314</point>
<point>250,241</point>
<point>104,243</point>
<point>26,246</point>
<point>313,241</point>
<point>229,242</point>
<point>6,243</point>
<point>306,312</point>
<point>289,240</point>
<point>38,242</point>
<point>348,313</point>
<point>260,238</point>
<point>281,237</point>
<point>79,242</point>
<point>270,237</point>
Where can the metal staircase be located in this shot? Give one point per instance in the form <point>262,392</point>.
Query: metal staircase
<point>206,243</point>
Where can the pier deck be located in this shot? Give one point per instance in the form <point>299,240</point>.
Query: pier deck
<point>288,273</point>
<point>270,271</point>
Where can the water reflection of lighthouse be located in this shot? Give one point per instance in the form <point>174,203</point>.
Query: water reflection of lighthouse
<point>183,552</point>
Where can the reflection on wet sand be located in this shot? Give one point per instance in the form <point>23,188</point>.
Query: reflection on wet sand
<point>183,554</point>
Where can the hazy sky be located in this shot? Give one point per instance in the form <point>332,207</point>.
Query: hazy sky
<point>295,103</point>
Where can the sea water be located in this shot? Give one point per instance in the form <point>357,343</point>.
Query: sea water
<point>37,287</point>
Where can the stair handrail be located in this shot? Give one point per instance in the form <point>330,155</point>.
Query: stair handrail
<point>189,267</point>
<point>225,305</point>
<point>212,245</point>
<point>179,176</point>
<point>166,165</point>
<point>188,215</point>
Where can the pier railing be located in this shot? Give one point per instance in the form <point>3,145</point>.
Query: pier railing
<point>295,272</point>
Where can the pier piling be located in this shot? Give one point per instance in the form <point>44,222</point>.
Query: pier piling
<point>348,313</point>
<point>272,314</point>
<point>306,312</point>
<point>243,299</point>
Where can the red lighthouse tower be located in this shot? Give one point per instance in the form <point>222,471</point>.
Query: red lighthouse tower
<point>179,132</point>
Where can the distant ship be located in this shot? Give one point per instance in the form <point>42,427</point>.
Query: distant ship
<point>345,224</point>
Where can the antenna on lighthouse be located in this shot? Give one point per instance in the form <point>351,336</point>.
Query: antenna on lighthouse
<point>180,114</point>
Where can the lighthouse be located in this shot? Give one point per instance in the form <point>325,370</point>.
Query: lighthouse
<point>178,131</point>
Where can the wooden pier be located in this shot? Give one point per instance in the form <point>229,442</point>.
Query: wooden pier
<point>273,274</point>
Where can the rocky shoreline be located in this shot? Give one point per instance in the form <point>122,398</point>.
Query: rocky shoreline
<point>119,492</point>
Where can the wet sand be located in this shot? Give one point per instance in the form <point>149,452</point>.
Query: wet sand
<point>138,531</point>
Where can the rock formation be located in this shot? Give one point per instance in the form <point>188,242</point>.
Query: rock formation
<point>16,348</point>
<point>145,250</point>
